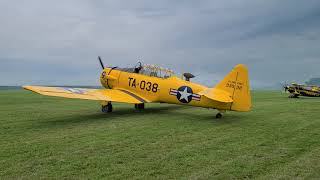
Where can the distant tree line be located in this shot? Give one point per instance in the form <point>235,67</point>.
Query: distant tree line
<point>313,81</point>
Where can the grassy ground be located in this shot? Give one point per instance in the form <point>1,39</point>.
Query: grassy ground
<point>47,137</point>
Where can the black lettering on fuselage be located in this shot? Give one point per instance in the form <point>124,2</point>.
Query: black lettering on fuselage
<point>130,79</point>
<point>143,85</point>
<point>133,83</point>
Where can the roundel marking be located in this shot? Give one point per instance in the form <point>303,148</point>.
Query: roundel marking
<point>184,94</point>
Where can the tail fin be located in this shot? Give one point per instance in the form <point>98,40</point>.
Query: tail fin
<point>236,83</point>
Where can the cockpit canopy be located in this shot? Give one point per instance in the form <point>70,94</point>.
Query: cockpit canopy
<point>149,70</point>
<point>156,71</point>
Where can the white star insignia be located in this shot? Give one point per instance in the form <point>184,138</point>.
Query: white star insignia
<point>184,94</point>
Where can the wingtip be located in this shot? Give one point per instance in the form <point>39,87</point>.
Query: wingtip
<point>25,87</point>
<point>30,88</point>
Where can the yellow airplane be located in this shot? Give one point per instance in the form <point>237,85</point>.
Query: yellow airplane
<point>152,84</point>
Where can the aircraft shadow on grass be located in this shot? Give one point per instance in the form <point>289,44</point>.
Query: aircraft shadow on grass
<point>119,113</point>
<point>124,113</point>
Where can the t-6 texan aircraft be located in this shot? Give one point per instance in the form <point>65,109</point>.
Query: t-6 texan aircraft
<point>151,84</point>
<point>297,90</point>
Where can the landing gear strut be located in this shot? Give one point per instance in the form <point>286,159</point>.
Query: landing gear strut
<point>106,108</point>
<point>293,96</point>
<point>139,106</point>
<point>219,116</point>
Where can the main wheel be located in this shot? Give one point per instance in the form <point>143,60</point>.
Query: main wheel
<point>109,107</point>
<point>106,108</point>
<point>139,106</point>
<point>219,116</point>
<point>293,96</point>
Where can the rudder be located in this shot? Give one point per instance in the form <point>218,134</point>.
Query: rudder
<point>236,83</point>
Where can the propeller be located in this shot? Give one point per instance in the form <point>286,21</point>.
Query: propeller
<point>101,63</point>
<point>102,66</point>
<point>285,88</point>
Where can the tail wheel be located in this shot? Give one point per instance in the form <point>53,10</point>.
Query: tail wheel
<point>218,115</point>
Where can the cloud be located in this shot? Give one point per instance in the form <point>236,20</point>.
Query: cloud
<point>57,42</point>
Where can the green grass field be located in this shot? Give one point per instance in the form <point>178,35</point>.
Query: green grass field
<point>54,138</point>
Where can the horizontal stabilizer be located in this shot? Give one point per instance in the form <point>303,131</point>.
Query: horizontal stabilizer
<point>216,95</point>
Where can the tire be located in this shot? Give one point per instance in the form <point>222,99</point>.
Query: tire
<point>139,106</point>
<point>107,108</point>
<point>218,115</point>
<point>104,109</point>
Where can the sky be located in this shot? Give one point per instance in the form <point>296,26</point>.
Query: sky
<point>57,42</point>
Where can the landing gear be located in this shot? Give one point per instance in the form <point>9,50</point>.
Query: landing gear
<point>219,116</point>
<point>293,96</point>
<point>106,108</point>
<point>139,106</point>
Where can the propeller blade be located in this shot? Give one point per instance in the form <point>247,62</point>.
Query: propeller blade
<point>101,63</point>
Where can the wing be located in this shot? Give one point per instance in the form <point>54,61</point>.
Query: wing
<point>217,95</point>
<point>114,95</point>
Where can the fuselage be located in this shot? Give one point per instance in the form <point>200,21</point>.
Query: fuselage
<point>173,90</point>
<point>304,91</point>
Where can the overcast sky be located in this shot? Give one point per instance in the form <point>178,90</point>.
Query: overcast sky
<point>57,42</point>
